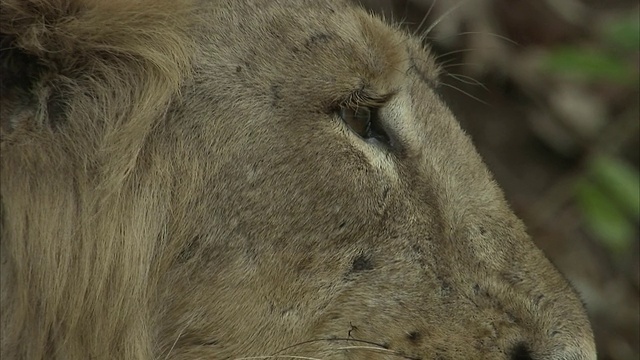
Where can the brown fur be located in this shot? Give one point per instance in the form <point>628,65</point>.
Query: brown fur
<point>175,183</point>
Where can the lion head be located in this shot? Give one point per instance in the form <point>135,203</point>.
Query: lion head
<point>252,179</point>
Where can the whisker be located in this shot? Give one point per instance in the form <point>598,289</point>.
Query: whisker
<point>463,92</point>
<point>433,4</point>
<point>404,22</point>
<point>375,349</point>
<point>401,23</point>
<point>467,80</point>
<point>329,340</point>
<point>444,63</point>
<point>444,15</point>
<point>416,32</point>
<point>455,52</point>
<point>449,64</point>
<point>501,37</point>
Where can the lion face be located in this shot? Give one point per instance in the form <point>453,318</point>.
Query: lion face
<point>307,193</point>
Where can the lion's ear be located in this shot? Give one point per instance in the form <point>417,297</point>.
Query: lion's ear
<point>36,51</point>
<point>64,62</point>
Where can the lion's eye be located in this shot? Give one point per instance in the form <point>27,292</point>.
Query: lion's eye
<point>358,119</point>
<point>364,121</point>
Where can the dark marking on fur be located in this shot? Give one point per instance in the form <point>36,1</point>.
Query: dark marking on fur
<point>385,192</point>
<point>512,278</point>
<point>520,352</point>
<point>275,95</point>
<point>352,328</point>
<point>445,286</point>
<point>317,39</point>
<point>362,262</point>
<point>414,336</point>
<point>476,289</point>
<point>190,249</point>
<point>238,69</point>
<point>537,299</point>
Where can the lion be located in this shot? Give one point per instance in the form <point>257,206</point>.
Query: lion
<point>251,179</point>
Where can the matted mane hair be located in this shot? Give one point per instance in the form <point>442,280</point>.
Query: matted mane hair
<point>84,84</point>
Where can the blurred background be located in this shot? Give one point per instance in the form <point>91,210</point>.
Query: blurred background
<point>549,91</point>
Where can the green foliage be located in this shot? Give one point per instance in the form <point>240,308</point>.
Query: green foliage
<point>620,180</point>
<point>607,63</point>
<point>608,193</point>
<point>609,197</point>
<point>588,64</point>
<point>624,34</point>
